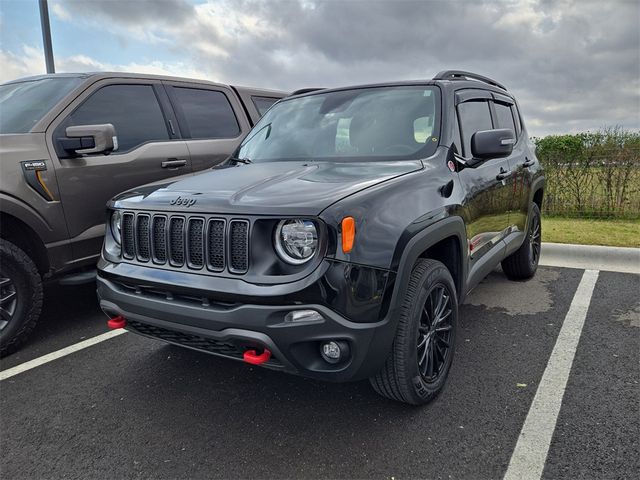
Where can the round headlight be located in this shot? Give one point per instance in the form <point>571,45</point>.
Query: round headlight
<point>296,240</point>
<point>116,225</point>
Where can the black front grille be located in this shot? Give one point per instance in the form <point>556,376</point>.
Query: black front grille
<point>176,238</point>
<point>194,341</point>
<point>142,233</point>
<point>209,345</point>
<point>128,242</point>
<point>160,239</point>
<point>191,242</point>
<point>196,242</point>
<point>216,245</point>
<point>239,250</point>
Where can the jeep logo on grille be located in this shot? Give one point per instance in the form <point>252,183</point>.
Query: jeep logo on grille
<point>187,202</point>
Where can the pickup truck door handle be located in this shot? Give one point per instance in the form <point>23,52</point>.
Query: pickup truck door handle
<point>527,163</point>
<point>173,163</point>
<point>503,174</point>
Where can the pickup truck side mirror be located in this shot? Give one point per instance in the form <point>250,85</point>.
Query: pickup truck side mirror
<point>82,139</point>
<point>492,143</point>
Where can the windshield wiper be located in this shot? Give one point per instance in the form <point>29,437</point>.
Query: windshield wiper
<point>245,161</point>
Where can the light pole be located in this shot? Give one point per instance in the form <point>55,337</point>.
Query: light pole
<point>46,36</point>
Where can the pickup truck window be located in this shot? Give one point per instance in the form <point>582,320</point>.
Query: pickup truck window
<point>23,104</point>
<point>263,104</point>
<point>132,109</point>
<point>207,113</point>
<point>379,123</point>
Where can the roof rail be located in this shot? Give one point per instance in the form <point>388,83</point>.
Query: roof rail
<point>305,90</point>
<point>461,75</point>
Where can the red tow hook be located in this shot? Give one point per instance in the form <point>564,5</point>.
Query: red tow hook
<point>117,322</point>
<point>252,357</point>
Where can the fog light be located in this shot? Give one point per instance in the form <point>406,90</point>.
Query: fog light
<point>334,351</point>
<point>303,316</point>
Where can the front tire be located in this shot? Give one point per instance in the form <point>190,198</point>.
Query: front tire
<point>523,263</point>
<point>422,352</point>
<point>20,296</point>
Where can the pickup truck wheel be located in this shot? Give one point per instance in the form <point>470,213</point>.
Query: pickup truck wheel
<point>423,348</point>
<point>20,296</point>
<point>523,263</point>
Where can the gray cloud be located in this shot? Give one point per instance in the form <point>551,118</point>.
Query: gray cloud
<point>573,65</point>
<point>133,12</point>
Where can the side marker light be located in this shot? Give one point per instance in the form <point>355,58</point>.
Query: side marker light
<point>348,234</point>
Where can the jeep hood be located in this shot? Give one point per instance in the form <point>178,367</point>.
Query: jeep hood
<point>288,188</point>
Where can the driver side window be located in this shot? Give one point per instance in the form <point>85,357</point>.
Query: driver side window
<point>133,110</point>
<point>474,116</point>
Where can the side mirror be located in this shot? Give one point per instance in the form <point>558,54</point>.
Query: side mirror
<point>82,139</point>
<point>492,143</point>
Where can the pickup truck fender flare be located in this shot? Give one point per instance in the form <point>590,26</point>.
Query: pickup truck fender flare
<point>24,213</point>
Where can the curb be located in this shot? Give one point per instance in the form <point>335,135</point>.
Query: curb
<point>591,257</point>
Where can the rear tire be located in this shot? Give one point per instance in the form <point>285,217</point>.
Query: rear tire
<point>523,263</point>
<point>20,297</point>
<point>422,352</point>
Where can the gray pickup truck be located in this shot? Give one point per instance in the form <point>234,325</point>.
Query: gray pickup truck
<point>70,142</point>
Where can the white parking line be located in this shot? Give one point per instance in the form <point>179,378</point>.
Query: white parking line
<point>529,457</point>
<point>36,362</point>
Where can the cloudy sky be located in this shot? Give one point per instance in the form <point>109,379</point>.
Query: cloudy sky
<point>573,65</point>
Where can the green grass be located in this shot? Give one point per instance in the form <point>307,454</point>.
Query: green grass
<point>616,233</point>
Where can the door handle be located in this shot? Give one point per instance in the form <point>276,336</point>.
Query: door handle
<point>503,174</point>
<point>527,163</point>
<point>173,163</point>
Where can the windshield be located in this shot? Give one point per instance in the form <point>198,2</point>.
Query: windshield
<point>378,123</point>
<point>22,104</point>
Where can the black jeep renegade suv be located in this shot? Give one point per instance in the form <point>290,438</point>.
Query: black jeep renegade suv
<point>339,239</point>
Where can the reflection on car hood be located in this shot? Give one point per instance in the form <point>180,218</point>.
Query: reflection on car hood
<point>287,188</point>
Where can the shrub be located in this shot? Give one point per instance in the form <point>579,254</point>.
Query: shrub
<point>592,174</point>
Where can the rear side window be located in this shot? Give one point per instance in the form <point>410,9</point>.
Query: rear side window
<point>207,113</point>
<point>132,109</point>
<point>474,116</point>
<point>504,117</point>
<point>516,115</point>
<point>263,104</point>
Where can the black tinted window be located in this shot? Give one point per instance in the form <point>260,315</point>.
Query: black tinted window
<point>362,124</point>
<point>505,118</point>
<point>457,141</point>
<point>474,116</point>
<point>132,109</point>
<point>22,104</point>
<point>516,115</point>
<point>263,103</point>
<point>208,114</point>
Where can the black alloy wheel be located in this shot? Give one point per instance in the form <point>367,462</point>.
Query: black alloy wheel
<point>535,239</point>
<point>434,334</point>
<point>8,300</point>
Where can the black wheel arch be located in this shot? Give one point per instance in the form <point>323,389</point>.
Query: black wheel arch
<point>445,241</point>
<point>14,230</point>
<point>536,196</point>
<point>537,191</point>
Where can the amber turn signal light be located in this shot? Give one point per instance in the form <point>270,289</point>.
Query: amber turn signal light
<point>348,234</point>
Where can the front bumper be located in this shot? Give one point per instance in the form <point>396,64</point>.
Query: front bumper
<point>229,328</point>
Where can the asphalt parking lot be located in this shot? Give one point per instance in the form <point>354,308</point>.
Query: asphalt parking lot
<point>133,407</point>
